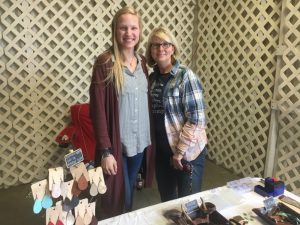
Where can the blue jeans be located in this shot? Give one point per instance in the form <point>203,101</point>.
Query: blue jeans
<point>131,167</point>
<point>174,183</point>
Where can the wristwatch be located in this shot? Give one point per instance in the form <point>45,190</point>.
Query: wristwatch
<point>179,152</point>
<point>106,152</point>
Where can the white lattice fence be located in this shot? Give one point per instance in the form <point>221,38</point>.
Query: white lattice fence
<point>237,61</point>
<point>239,44</point>
<point>46,55</point>
<point>288,99</point>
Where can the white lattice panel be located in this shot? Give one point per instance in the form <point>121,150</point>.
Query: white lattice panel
<point>288,99</point>
<point>237,59</point>
<point>47,51</point>
<point>238,47</point>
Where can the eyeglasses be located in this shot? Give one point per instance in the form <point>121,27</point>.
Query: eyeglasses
<point>165,45</point>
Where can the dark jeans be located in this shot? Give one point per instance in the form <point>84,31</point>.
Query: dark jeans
<point>173,183</point>
<point>131,167</point>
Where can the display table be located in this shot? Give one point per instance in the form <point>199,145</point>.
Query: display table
<point>228,201</point>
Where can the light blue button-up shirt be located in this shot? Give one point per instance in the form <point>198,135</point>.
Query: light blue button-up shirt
<point>134,111</point>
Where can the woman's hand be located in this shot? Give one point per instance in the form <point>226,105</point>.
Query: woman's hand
<point>109,165</point>
<point>176,161</point>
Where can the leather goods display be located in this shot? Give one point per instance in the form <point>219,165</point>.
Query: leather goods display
<point>193,213</point>
<point>278,214</point>
<point>67,195</point>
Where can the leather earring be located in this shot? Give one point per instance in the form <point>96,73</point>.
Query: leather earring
<point>94,221</point>
<point>82,183</point>
<point>56,190</point>
<point>70,220</point>
<point>59,222</point>
<point>87,218</point>
<point>93,189</point>
<point>101,186</point>
<point>47,202</point>
<point>75,189</point>
<point>37,206</point>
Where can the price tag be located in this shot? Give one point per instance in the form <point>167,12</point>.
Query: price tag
<point>74,158</point>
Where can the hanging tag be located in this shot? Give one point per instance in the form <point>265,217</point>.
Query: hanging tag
<point>80,209</point>
<point>38,189</point>
<point>79,170</point>
<point>74,158</point>
<point>62,215</point>
<point>51,215</point>
<point>89,213</point>
<point>56,176</point>
<point>97,180</point>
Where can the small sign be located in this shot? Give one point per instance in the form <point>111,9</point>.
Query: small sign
<point>191,206</point>
<point>73,158</point>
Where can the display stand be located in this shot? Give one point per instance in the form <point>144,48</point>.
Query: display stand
<point>62,199</point>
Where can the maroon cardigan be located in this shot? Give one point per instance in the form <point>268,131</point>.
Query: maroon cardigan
<point>104,112</point>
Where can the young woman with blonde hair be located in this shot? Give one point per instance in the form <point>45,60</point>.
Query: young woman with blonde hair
<point>120,114</point>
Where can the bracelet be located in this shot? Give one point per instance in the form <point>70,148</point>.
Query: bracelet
<point>105,153</point>
<point>179,152</point>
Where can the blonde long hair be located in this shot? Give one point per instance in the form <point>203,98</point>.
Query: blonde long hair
<point>116,75</point>
<point>164,34</point>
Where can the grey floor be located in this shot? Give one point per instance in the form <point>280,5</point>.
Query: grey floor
<point>16,202</point>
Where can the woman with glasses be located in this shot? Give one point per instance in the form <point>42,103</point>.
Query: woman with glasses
<point>178,116</point>
<point>120,113</point>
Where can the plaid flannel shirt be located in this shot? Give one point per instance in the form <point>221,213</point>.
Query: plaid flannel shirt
<point>184,111</point>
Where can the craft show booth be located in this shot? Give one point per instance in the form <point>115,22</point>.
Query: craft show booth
<point>247,56</point>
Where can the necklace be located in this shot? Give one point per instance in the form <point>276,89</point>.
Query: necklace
<point>131,63</point>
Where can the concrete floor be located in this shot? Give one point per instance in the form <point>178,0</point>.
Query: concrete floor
<point>16,202</point>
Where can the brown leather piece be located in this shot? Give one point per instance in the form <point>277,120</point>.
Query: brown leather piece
<point>94,221</point>
<point>75,189</point>
<point>82,183</point>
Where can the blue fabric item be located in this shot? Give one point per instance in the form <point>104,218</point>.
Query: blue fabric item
<point>131,167</point>
<point>168,179</point>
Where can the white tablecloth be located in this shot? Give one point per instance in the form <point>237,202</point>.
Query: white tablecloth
<point>228,202</point>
